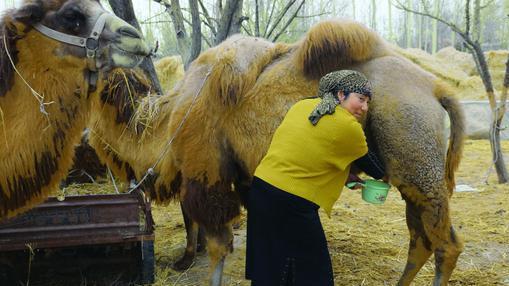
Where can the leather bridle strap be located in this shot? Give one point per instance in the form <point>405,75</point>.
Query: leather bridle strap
<point>91,44</point>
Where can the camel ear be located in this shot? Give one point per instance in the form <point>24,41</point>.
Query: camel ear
<point>30,13</point>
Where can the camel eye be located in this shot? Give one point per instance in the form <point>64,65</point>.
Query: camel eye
<point>72,19</point>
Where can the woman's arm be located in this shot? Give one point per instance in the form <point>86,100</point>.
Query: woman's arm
<point>371,165</point>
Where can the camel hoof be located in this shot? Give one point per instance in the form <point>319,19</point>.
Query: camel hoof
<point>183,263</point>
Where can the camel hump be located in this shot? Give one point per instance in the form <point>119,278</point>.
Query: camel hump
<point>457,134</point>
<point>333,44</point>
<point>235,64</point>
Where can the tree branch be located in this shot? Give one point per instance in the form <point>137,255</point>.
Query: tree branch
<point>283,29</point>
<point>183,41</point>
<point>313,15</point>
<point>247,30</point>
<point>203,36</point>
<point>467,18</point>
<point>282,13</point>
<point>270,18</point>
<point>209,21</point>
<point>196,35</point>
<point>257,19</point>
<point>427,14</point>
<point>230,12</point>
<point>487,4</point>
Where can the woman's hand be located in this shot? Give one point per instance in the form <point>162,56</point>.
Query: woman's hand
<point>353,178</point>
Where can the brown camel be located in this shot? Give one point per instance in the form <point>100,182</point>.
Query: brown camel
<point>53,53</point>
<point>210,132</point>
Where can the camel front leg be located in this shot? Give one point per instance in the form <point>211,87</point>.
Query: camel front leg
<point>219,244</point>
<point>419,249</point>
<point>216,277</point>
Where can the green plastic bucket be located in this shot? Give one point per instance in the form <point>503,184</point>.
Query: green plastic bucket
<point>373,191</point>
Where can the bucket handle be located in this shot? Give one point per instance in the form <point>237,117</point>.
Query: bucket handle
<point>352,185</point>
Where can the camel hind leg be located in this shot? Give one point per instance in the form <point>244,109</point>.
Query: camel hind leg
<point>419,249</point>
<point>447,246</point>
<point>431,231</point>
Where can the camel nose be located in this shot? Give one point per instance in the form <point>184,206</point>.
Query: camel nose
<point>129,32</point>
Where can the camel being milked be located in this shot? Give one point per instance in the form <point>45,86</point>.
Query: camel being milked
<point>211,131</point>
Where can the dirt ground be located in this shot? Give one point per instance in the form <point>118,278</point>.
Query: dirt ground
<point>368,243</point>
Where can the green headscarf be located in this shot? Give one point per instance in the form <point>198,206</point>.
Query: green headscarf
<point>345,80</point>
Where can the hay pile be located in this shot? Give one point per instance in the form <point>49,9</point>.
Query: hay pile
<point>496,61</point>
<point>458,69</point>
<point>460,60</point>
<point>368,243</point>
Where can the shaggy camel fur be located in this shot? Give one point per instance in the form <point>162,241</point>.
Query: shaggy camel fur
<point>45,97</point>
<point>243,88</point>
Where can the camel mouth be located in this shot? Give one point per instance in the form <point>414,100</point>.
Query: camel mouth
<point>127,58</point>
<point>136,53</point>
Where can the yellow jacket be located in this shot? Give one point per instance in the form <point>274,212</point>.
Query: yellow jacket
<point>309,161</point>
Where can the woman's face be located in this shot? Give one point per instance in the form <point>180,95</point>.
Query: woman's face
<point>355,103</point>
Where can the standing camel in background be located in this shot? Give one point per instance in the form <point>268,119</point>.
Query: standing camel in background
<point>47,78</point>
<point>220,119</point>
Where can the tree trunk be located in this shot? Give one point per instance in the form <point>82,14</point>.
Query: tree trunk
<point>257,19</point>
<point>500,167</point>
<point>229,14</point>
<point>196,35</point>
<point>434,31</point>
<point>497,115</point>
<point>124,9</point>
<point>237,19</point>
<point>476,26</point>
<point>183,41</point>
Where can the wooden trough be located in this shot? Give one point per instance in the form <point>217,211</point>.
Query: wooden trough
<point>98,239</point>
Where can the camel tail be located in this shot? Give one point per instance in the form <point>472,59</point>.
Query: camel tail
<point>457,133</point>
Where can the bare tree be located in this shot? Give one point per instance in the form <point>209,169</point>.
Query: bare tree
<point>230,20</point>
<point>124,9</point>
<point>276,17</point>
<point>196,35</point>
<point>497,109</point>
<point>189,46</point>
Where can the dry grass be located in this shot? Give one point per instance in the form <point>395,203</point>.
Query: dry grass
<point>368,243</point>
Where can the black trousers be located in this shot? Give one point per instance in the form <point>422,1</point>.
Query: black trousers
<point>286,244</point>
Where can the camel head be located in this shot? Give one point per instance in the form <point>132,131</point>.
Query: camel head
<point>83,30</point>
<point>54,55</point>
